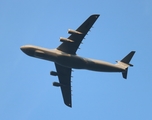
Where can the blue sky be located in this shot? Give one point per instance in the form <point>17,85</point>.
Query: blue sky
<point>25,84</point>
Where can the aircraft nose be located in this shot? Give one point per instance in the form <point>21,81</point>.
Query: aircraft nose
<point>23,48</point>
<point>27,49</point>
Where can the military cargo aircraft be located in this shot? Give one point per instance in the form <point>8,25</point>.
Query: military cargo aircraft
<point>66,59</point>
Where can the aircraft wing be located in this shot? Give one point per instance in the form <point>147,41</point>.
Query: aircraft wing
<point>64,75</point>
<point>71,44</point>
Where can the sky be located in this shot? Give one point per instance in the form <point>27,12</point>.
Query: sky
<point>26,91</point>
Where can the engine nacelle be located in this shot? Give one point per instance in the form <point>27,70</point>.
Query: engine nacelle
<point>74,32</point>
<point>65,40</point>
<point>53,73</point>
<point>56,84</point>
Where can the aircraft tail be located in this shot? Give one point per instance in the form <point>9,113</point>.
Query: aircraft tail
<point>125,63</point>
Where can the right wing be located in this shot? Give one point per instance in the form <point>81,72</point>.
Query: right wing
<point>64,75</point>
<point>74,40</point>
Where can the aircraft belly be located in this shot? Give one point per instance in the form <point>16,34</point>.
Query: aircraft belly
<point>103,67</point>
<point>39,52</point>
<point>71,61</point>
<point>51,56</point>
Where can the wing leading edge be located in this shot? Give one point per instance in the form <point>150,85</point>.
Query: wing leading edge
<point>78,36</point>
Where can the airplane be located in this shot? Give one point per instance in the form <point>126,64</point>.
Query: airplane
<point>66,59</point>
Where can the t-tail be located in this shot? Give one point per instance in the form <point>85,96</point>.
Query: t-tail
<point>125,63</point>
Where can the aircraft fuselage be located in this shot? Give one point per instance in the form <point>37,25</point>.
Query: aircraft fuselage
<point>66,59</point>
<point>69,60</point>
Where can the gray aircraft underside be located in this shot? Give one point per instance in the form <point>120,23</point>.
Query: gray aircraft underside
<point>65,59</point>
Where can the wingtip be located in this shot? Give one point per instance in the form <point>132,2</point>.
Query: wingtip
<point>69,105</point>
<point>133,51</point>
<point>96,15</point>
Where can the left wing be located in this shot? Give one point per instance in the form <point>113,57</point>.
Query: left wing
<point>64,75</point>
<point>71,44</point>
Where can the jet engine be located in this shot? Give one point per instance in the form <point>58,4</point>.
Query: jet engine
<point>53,73</point>
<point>74,32</point>
<point>65,40</point>
<point>56,84</point>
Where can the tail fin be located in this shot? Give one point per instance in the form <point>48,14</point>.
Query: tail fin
<point>125,62</point>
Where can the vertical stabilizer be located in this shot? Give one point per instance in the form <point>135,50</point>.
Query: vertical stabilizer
<point>128,58</point>
<point>124,74</point>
